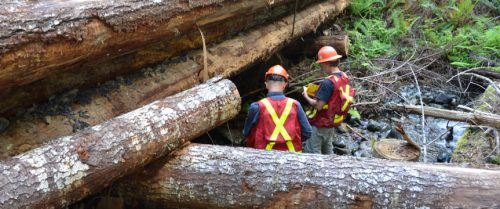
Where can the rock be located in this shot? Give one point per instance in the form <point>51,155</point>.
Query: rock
<point>47,119</point>
<point>234,136</point>
<point>374,126</point>
<point>342,128</point>
<point>444,157</point>
<point>4,124</point>
<point>352,146</point>
<point>339,142</point>
<point>363,153</point>
<point>446,99</point>
<point>393,134</point>
<point>435,153</point>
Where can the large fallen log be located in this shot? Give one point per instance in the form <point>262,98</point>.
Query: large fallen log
<point>89,42</point>
<point>38,38</point>
<point>207,176</point>
<point>479,118</point>
<point>69,168</point>
<point>243,51</point>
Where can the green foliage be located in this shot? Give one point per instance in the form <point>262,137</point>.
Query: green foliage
<point>366,7</point>
<point>354,113</point>
<point>461,12</point>
<point>315,66</point>
<point>381,29</point>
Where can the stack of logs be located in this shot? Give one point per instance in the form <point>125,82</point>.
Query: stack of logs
<point>50,46</point>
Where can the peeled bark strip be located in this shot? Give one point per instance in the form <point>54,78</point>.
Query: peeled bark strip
<point>69,168</point>
<point>207,176</point>
<point>487,119</point>
<point>242,51</point>
<point>167,33</point>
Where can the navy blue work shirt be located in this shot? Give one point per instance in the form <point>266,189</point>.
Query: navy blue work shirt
<point>325,90</point>
<point>254,111</point>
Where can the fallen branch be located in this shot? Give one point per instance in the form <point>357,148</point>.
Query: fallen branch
<point>69,168</point>
<point>493,84</point>
<point>207,176</point>
<point>488,119</point>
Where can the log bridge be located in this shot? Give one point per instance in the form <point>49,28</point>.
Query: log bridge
<point>158,104</point>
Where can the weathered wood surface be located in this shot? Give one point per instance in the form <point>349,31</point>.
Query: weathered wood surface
<point>244,51</point>
<point>208,176</point>
<point>339,42</point>
<point>69,168</point>
<point>479,118</point>
<point>81,43</point>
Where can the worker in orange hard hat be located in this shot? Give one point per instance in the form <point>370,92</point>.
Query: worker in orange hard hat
<point>331,102</point>
<point>276,122</point>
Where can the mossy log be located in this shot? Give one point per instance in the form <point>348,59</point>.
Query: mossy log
<point>69,168</point>
<point>47,47</point>
<point>244,51</point>
<point>208,176</point>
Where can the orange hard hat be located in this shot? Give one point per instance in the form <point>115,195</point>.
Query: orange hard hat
<point>326,54</point>
<point>277,70</point>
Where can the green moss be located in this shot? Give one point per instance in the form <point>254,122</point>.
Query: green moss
<point>495,159</point>
<point>461,144</point>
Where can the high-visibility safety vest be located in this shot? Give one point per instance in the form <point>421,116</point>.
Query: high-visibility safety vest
<point>335,110</point>
<point>278,127</point>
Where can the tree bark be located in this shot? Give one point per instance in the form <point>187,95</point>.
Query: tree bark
<point>478,118</point>
<point>46,36</point>
<point>208,176</point>
<point>69,168</point>
<point>242,51</point>
<point>77,44</point>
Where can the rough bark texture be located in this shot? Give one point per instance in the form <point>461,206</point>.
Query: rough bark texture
<point>207,176</point>
<point>269,39</point>
<point>69,168</point>
<point>479,118</point>
<point>38,38</point>
<point>243,51</point>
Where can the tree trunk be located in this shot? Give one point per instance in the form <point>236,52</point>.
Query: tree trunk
<point>69,168</point>
<point>478,118</point>
<point>242,51</point>
<point>46,36</point>
<point>99,40</point>
<point>207,176</point>
<point>339,42</point>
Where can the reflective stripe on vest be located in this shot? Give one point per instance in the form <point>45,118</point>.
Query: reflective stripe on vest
<point>346,95</point>
<point>279,122</point>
